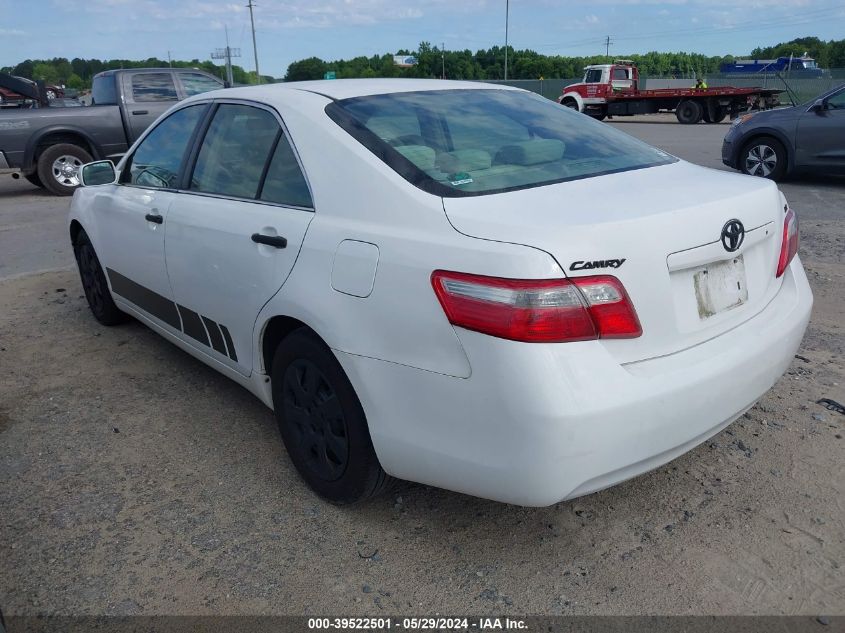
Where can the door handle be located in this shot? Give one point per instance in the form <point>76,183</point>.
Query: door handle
<point>154,217</point>
<point>270,240</point>
<point>140,111</point>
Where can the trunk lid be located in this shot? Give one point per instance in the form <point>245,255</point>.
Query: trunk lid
<point>659,231</point>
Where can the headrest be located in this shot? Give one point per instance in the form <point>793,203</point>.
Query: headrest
<point>463,160</point>
<point>543,150</point>
<point>421,155</point>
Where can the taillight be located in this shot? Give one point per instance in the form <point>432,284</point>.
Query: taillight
<point>537,310</point>
<point>789,243</point>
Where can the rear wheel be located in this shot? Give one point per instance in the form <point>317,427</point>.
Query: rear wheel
<point>94,282</point>
<point>59,165</point>
<point>322,422</point>
<point>689,112</point>
<point>712,112</point>
<point>570,103</point>
<point>765,157</point>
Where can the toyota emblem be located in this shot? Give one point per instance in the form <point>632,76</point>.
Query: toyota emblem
<point>733,234</point>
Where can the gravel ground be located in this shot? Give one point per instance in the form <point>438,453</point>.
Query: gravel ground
<point>135,480</point>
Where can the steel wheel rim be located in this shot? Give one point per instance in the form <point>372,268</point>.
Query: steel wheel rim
<point>761,160</point>
<point>88,268</point>
<point>66,170</point>
<point>315,418</point>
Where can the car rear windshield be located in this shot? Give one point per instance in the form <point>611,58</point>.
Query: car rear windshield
<point>456,143</point>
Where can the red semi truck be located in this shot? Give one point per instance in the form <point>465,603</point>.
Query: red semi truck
<point>613,89</point>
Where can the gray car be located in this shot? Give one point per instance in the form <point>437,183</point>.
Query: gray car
<point>777,143</point>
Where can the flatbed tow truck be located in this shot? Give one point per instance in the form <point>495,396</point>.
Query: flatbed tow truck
<point>613,89</point>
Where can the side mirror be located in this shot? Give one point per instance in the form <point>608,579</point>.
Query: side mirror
<point>819,106</point>
<point>101,172</point>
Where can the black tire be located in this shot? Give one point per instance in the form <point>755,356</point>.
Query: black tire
<point>94,283</point>
<point>34,179</point>
<point>569,103</point>
<point>712,112</point>
<point>765,157</point>
<point>689,112</point>
<point>56,178</point>
<point>322,422</point>
<point>599,117</point>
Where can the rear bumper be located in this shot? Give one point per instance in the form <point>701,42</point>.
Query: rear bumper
<point>537,424</point>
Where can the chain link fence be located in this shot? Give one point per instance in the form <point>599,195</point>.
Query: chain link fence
<point>549,88</point>
<point>797,88</point>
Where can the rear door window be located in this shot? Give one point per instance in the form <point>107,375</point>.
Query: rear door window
<point>153,87</point>
<point>234,153</point>
<point>196,83</point>
<point>104,91</point>
<point>285,184</point>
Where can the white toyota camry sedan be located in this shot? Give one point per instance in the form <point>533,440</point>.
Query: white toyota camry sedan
<point>451,283</point>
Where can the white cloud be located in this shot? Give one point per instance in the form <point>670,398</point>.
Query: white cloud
<point>11,32</point>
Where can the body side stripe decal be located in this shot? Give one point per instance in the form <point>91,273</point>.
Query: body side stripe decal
<point>192,325</point>
<point>229,344</point>
<point>160,307</point>
<point>198,327</point>
<point>215,336</point>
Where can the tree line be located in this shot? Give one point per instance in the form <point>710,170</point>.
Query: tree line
<point>432,62</point>
<point>77,73</point>
<point>529,64</point>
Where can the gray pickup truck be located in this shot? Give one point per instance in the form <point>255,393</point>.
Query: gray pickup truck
<point>48,145</point>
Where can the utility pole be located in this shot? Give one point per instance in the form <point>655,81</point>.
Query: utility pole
<point>507,13</point>
<point>169,61</point>
<point>443,59</point>
<point>254,47</point>
<point>607,44</point>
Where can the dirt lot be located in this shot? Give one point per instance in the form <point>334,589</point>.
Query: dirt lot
<point>134,480</point>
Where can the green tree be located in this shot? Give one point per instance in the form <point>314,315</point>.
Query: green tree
<point>75,81</point>
<point>45,71</point>
<point>311,68</point>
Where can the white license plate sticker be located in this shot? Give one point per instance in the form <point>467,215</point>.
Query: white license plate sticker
<point>720,286</point>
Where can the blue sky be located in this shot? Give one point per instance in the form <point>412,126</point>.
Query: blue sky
<point>293,29</point>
